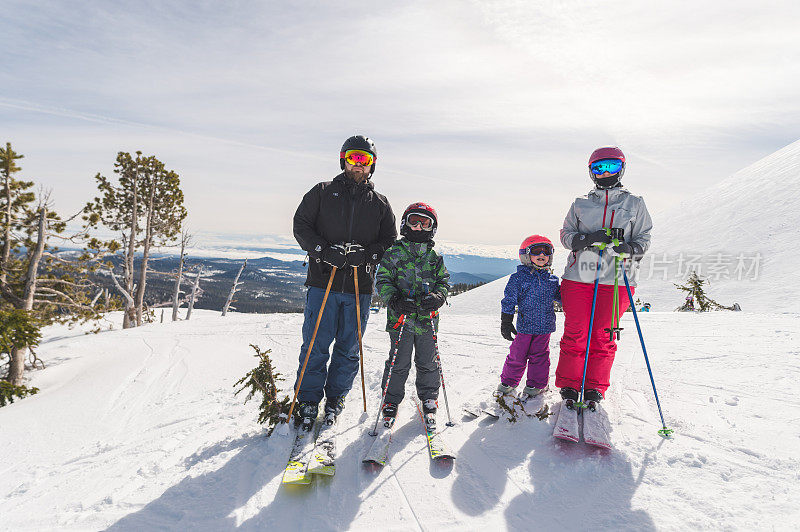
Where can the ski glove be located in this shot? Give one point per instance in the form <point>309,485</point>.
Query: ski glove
<point>432,301</point>
<point>403,306</point>
<point>583,240</point>
<point>356,257</point>
<point>374,253</point>
<point>507,326</point>
<point>624,248</point>
<point>335,256</point>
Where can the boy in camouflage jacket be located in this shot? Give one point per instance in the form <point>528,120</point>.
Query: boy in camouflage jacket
<point>413,280</point>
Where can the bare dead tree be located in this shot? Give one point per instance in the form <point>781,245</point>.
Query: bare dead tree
<point>96,298</point>
<point>195,286</point>
<point>186,239</point>
<point>129,303</point>
<point>235,286</point>
<point>16,364</point>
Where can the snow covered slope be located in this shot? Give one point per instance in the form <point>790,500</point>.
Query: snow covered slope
<point>139,430</point>
<point>755,211</point>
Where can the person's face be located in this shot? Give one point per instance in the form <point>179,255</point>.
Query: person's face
<point>540,260</point>
<point>357,172</point>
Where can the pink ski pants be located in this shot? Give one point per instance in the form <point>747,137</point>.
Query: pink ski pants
<point>576,299</point>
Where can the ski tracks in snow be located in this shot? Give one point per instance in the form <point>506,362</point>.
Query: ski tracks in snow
<point>141,430</point>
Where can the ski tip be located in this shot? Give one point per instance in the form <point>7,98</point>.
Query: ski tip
<point>372,466</point>
<point>327,471</point>
<point>566,437</point>
<point>297,480</point>
<point>297,484</point>
<point>599,444</point>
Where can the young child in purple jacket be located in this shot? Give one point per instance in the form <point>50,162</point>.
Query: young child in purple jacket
<point>531,291</point>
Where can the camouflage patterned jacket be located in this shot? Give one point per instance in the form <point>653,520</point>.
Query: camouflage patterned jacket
<point>411,269</point>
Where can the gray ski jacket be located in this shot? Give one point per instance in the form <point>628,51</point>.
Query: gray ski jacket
<point>600,209</point>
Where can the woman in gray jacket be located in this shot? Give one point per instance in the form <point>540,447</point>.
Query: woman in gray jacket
<point>608,205</point>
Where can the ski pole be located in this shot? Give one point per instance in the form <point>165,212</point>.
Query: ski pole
<point>311,344</point>
<point>580,404</point>
<point>441,373</point>
<point>617,235</point>
<point>360,343</point>
<point>665,432</point>
<point>615,328</point>
<point>402,323</point>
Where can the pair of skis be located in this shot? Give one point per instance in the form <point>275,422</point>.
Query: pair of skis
<point>596,428</point>
<point>378,452</point>
<point>511,407</point>
<point>313,453</point>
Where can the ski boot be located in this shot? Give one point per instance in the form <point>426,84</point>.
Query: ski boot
<point>305,414</point>
<point>429,407</point>
<point>530,392</point>
<point>333,407</point>
<point>570,397</point>
<point>389,414</point>
<point>503,389</point>
<point>592,398</point>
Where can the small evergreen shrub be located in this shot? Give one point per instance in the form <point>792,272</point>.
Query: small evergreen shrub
<point>263,379</point>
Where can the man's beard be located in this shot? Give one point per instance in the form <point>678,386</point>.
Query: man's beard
<point>357,176</point>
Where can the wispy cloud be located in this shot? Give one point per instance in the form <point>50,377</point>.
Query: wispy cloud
<point>486,109</point>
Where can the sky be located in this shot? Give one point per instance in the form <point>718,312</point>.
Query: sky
<point>487,110</point>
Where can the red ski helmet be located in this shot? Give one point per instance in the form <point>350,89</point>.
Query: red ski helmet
<point>531,242</point>
<point>607,152</point>
<point>419,208</point>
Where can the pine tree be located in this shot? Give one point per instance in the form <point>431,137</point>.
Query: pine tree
<point>146,208</point>
<point>694,289</point>
<point>15,206</point>
<point>35,278</point>
<point>18,328</point>
<point>264,379</point>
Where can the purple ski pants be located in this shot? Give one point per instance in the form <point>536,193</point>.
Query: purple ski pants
<point>533,351</point>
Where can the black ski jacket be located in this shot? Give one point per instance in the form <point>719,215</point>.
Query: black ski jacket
<point>344,212</point>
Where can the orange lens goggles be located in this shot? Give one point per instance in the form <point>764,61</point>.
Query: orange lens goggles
<point>361,157</point>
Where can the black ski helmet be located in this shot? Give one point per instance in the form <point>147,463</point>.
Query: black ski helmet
<point>359,142</point>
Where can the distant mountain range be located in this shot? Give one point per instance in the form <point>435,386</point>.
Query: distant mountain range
<point>272,284</point>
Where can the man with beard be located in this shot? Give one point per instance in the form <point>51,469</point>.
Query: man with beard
<point>346,224</point>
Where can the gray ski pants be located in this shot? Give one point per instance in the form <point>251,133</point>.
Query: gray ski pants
<point>424,360</point>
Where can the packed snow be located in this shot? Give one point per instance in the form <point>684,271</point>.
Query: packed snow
<point>139,429</point>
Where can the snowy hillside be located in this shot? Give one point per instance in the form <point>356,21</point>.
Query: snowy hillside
<point>139,430</point>
<point>743,233</point>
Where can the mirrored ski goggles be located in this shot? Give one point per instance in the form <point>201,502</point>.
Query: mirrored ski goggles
<point>602,166</point>
<point>358,157</point>
<point>424,222</point>
<point>537,249</point>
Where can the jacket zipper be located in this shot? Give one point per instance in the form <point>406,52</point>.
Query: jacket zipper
<point>350,229</point>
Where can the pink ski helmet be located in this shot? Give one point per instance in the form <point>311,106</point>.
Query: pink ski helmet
<point>607,152</point>
<point>528,244</point>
